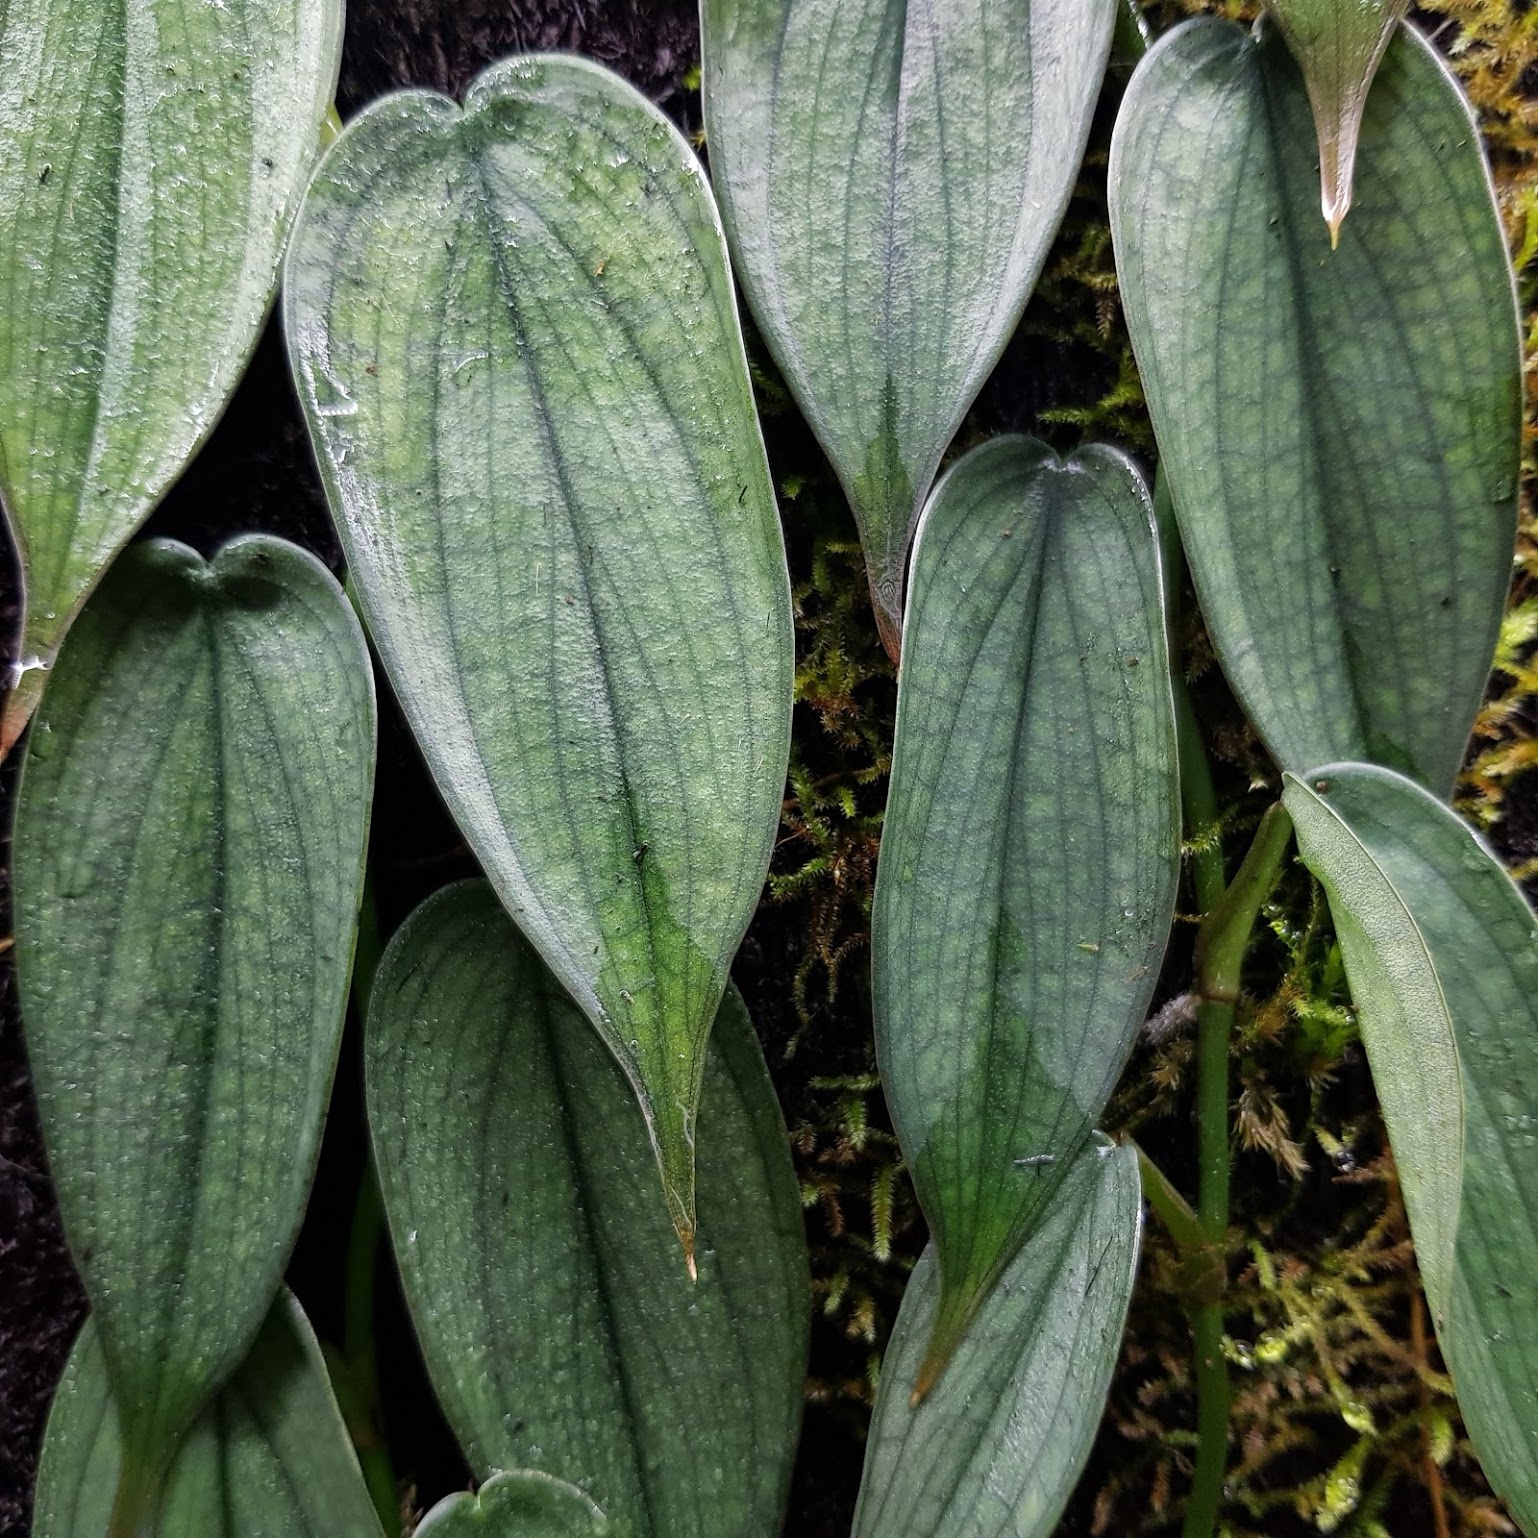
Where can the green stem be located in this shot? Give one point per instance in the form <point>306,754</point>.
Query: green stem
<point>1229,912</point>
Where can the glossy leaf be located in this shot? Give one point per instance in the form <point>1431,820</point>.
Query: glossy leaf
<point>1031,846</point>
<point>1340,430</point>
<point>156,156</point>
<point>519,1505</point>
<point>515,1176</point>
<point>995,1449</point>
<point>188,857</point>
<point>516,338</point>
<point>269,1458</point>
<point>1442,954</point>
<point>1338,45</point>
<point>891,174</point>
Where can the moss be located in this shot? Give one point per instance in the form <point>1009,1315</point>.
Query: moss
<point>1343,1418</point>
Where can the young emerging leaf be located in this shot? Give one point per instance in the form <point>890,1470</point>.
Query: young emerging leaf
<point>995,1449</point>
<point>1442,954</point>
<point>1031,846</point>
<point>154,160</point>
<point>891,174</point>
<point>1338,45</point>
<point>1340,430</point>
<point>525,1504</point>
<point>515,336</point>
<point>189,851</point>
<point>515,1174</point>
<point>269,1458</point>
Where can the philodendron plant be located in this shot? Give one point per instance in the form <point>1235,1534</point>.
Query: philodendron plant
<point>515,337</point>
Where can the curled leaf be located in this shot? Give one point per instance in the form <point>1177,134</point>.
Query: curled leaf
<point>1338,45</point>
<point>524,1504</point>
<point>1439,943</point>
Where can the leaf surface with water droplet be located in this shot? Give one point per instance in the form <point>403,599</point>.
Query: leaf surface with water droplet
<point>516,338</point>
<point>190,834</point>
<point>1031,846</point>
<point>559,1330</point>
<point>155,160</point>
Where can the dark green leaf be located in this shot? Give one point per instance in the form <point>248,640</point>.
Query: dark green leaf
<point>269,1458</point>
<point>515,1174</point>
<point>188,857</point>
<point>1442,953</point>
<point>1338,45</point>
<point>155,158</point>
<point>994,1450</point>
<point>516,338</point>
<point>520,1505</point>
<point>1032,840</point>
<point>891,174</point>
<point>1340,430</point>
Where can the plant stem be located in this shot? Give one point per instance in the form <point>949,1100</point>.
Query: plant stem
<point>1221,943</point>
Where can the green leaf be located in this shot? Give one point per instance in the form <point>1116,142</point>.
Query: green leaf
<point>155,159</point>
<point>525,1504</point>
<point>516,338</point>
<point>188,858</point>
<point>995,1449</point>
<point>891,174</point>
<point>269,1458</point>
<point>515,1175</point>
<point>1442,953</point>
<point>1340,430</point>
<point>1338,45</point>
<point>1031,846</point>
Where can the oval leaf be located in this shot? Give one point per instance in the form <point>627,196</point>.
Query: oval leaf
<point>515,1176</point>
<point>188,859</point>
<point>1458,911</point>
<point>1341,430</point>
<point>525,1504</point>
<point>891,174</point>
<point>1338,45</point>
<point>269,1458</point>
<point>156,161</point>
<point>995,1450</point>
<point>515,336</point>
<point>1031,846</point>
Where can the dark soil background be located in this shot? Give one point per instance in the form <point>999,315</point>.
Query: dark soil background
<point>256,473</point>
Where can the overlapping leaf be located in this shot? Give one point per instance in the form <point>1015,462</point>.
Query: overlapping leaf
<point>514,333</point>
<point>269,1458</point>
<point>891,173</point>
<point>1031,845</point>
<point>1338,45</point>
<point>155,158</point>
<point>1341,430</point>
<point>994,1450</point>
<point>188,857</point>
<point>559,1329</point>
<point>1442,953</point>
<point>518,1505</point>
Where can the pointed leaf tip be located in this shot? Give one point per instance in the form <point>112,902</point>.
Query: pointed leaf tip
<point>606,555</point>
